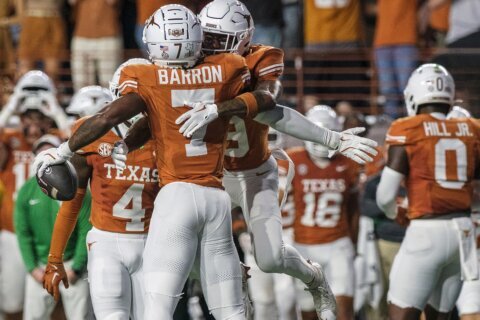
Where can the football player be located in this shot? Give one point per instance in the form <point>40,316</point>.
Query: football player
<point>122,205</point>
<point>34,102</point>
<point>468,303</point>
<point>191,220</point>
<point>438,159</point>
<point>325,202</point>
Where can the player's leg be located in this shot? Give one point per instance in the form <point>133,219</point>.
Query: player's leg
<point>13,276</point>
<point>76,299</point>
<point>83,67</point>
<point>134,250</point>
<point>220,272</point>
<point>285,296</point>
<point>416,269</point>
<point>109,280</point>
<point>38,304</point>
<point>261,289</point>
<point>170,249</point>
<point>468,303</point>
<point>108,58</point>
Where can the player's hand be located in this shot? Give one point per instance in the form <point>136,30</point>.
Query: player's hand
<point>38,274</point>
<point>200,115</point>
<point>9,109</point>
<point>54,274</point>
<point>360,150</point>
<point>51,157</point>
<point>119,154</point>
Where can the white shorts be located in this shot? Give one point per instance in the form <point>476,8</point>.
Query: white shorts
<point>336,258</point>
<point>469,300</point>
<point>427,267</point>
<point>192,224</point>
<point>115,274</point>
<point>12,274</point>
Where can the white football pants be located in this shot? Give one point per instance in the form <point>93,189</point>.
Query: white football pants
<point>469,300</point>
<point>427,267</point>
<point>189,223</point>
<point>12,273</point>
<point>256,192</point>
<point>115,274</point>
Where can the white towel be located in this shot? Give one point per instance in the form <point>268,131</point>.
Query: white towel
<point>468,251</point>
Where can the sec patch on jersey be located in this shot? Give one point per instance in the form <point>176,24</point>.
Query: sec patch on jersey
<point>59,181</point>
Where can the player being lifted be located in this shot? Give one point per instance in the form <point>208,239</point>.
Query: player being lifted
<point>438,159</point>
<point>122,205</point>
<point>325,203</point>
<point>191,219</point>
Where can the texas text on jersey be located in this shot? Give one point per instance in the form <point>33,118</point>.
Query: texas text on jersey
<point>218,78</point>
<point>122,200</point>
<point>247,139</point>
<point>443,155</point>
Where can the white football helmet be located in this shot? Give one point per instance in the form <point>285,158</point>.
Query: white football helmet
<point>89,100</point>
<point>231,20</point>
<point>115,82</point>
<point>275,139</point>
<point>325,117</point>
<point>430,83</point>
<point>458,113</point>
<point>173,36</point>
<point>34,81</point>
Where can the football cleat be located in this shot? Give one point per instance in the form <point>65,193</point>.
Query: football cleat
<point>323,298</point>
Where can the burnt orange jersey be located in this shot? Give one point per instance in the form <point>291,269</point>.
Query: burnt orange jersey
<point>16,171</point>
<point>122,200</point>
<point>197,160</point>
<point>320,197</point>
<point>442,156</point>
<point>247,139</point>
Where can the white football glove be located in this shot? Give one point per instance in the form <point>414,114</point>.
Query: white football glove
<point>119,154</point>
<point>200,115</point>
<point>51,157</point>
<point>360,150</point>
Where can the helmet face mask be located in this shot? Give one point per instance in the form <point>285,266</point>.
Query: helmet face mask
<point>325,117</point>
<point>89,100</point>
<point>429,84</point>
<point>173,36</point>
<point>231,19</point>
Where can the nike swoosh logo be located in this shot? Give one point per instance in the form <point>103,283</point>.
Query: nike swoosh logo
<point>33,202</point>
<point>262,173</point>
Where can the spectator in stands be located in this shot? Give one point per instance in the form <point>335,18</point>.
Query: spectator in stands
<point>438,22</point>
<point>97,42</point>
<point>42,37</point>
<point>268,19</point>
<point>292,18</point>
<point>34,218</point>
<point>7,58</point>
<point>396,53</point>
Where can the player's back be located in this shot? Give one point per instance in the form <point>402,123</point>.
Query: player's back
<point>247,140</point>
<point>442,158</point>
<point>166,91</point>
<point>122,200</point>
<point>16,171</point>
<point>321,196</point>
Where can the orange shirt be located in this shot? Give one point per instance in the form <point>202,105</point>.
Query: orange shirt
<point>96,19</point>
<point>247,146</point>
<point>442,156</point>
<point>218,78</point>
<point>396,23</point>
<point>145,8</point>
<point>332,21</point>
<point>320,197</point>
<point>439,18</point>
<point>122,200</point>
<point>17,170</point>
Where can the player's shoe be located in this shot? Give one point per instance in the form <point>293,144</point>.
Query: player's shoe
<point>323,298</point>
<point>246,298</point>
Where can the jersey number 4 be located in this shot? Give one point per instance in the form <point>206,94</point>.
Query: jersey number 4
<point>135,212</point>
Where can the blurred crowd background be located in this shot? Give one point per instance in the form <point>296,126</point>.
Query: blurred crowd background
<point>354,54</point>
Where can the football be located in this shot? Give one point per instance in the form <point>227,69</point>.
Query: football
<point>59,181</point>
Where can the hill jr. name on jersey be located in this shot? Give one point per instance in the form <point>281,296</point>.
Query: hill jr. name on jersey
<point>440,130</point>
<point>131,173</point>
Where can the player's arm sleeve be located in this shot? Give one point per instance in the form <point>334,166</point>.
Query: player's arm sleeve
<point>291,122</point>
<point>368,203</point>
<point>83,226</point>
<point>23,230</point>
<point>271,66</point>
<point>387,191</point>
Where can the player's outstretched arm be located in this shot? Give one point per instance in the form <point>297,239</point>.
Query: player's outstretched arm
<point>62,230</point>
<point>92,129</point>
<point>137,135</point>
<point>392,176</point>
<point>291,122</point>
